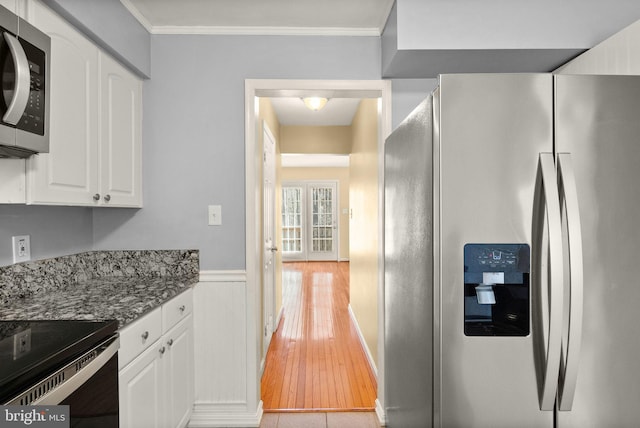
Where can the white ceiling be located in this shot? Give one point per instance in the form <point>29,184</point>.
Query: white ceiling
<point>338,111</point>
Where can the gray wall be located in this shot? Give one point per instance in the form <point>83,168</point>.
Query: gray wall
<point>193,135</point>
<point>54,231</point>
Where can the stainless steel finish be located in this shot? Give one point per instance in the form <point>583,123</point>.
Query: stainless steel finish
<point>550,161</point>
<point>63,382</point>
<point>408,279</point>
<point>14,142</point>
<point>597,122</point>
<point>145,335</point>
<point>548,295</point>
<point>492,129</point>
<point>96,197</point>
<point>22,81</point>
<point>573,307</point>
<point>107,198</point>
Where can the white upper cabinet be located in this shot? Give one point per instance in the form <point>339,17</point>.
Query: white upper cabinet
<point>94,154</point>
<point>120,135</point>
<point>68,174</point>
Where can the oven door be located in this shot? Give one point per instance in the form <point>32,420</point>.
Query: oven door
<point>88,385</point>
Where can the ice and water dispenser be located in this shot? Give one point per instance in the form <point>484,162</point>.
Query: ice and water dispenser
<point>496,289</point>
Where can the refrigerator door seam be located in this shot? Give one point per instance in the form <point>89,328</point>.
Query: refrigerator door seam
<point>571,349</point>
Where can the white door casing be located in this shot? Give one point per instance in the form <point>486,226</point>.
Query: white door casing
<point>255,88</point>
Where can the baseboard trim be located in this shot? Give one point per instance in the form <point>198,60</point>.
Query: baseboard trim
<point>206,415</point>
<point>363,342</point>
<point>382,416</point>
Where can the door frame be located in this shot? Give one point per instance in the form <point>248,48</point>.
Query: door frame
<point>255,88</point>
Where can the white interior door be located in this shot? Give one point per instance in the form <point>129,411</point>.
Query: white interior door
<point>309,221</point>
<point>268,233</point>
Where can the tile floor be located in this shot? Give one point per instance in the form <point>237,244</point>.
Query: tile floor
<point>320,420</point>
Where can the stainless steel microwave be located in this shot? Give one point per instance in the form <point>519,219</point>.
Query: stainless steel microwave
<point>24,103</point>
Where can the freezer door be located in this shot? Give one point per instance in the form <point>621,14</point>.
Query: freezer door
<point>408,333</point>
<point>492,130</point>
<point>598,124</point>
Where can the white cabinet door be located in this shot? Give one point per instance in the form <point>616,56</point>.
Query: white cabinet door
<point>141,390</point>
<point>178,369</point>
<point>121,135</point>
<point>68,174</point>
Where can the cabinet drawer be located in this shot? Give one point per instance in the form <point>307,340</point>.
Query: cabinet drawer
<point>176,309</point>
<point>138,336</point>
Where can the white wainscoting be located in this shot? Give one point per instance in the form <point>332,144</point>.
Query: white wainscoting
<point>220,340</point>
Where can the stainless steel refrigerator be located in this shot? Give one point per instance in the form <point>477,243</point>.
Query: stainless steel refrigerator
<point>512,254</point>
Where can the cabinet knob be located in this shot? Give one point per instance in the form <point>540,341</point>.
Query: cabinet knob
<point>182,308</point>
<point>107,198</point>
<point>145,335</point>
<point>96,197</point>
<point>170,342</point>
<point>161,350</point>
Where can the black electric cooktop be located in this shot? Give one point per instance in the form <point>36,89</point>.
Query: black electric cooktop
<point>30,350</point>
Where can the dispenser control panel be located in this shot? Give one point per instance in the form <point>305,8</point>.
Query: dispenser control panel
<point>496,289</point>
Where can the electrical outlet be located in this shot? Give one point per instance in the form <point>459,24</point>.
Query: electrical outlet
<point>21,343</point>
<point>21,248</point>
<point>215,215</point>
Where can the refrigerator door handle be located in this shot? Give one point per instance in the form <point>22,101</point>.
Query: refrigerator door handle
<point>547,272</point>
<point>573,337</point>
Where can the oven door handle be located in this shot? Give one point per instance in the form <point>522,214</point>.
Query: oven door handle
<point>22,86</point>
<point>76,373</point>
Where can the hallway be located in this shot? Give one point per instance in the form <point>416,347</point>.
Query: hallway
<point>316,361</point>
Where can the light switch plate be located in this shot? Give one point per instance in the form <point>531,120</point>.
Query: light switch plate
<point>215,215</point>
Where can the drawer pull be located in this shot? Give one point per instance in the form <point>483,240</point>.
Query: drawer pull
<point>161,350</point>
<point>145,335</point>
<point>170,342</point>
<point>182,308</point>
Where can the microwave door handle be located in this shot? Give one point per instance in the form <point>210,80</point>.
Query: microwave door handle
<point>22,83</point>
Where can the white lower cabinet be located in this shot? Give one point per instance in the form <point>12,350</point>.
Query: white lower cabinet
<point>156,387</point>
<point>141,386</point>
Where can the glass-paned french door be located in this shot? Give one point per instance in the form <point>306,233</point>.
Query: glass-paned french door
<point>309,222</point>
<point>291,219</point>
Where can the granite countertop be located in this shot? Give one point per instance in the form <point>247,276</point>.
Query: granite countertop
<point>108,285</point>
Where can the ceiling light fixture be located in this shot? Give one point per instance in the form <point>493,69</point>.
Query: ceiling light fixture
<point>315,103</point>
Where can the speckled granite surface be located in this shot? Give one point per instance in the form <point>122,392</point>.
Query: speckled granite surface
<point>120,285</point>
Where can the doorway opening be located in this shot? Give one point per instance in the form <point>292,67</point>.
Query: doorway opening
<point>255,92</point>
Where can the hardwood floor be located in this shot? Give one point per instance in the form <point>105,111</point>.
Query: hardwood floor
<point>315,360</point>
